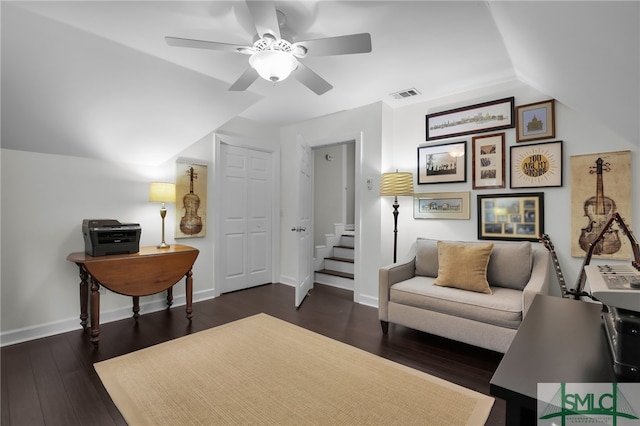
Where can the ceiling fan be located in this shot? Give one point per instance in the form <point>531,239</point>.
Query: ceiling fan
<point>274,57</point>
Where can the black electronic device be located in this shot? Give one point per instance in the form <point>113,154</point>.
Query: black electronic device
<point>108,236</point>
<point>622,327</point>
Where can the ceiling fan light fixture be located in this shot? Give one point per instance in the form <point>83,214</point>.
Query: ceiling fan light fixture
<point>273,65</point>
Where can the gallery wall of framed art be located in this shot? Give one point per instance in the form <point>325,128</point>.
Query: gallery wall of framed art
<point>498,158</point>
<point>514,159</point>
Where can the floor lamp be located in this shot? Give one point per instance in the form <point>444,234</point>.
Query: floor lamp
<point>396,184</point>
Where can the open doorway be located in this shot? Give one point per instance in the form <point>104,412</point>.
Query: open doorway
<point>334,214</point>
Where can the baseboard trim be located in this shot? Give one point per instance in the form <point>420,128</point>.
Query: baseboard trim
<point>21,335</point>
<point>290,281</point>
<point>368,301</point>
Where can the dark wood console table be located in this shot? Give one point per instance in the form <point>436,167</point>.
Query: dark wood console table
<point>559,341</point>
<point>150,271</point>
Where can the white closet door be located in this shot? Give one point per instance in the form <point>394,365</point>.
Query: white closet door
<point>245,254</point>
<point>259,217</point>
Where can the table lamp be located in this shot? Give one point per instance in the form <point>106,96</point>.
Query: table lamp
<point>162,192</point>
<point>395,184</point>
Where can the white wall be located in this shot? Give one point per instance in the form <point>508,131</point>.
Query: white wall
<point>580,135</point>
<point>44,200</point>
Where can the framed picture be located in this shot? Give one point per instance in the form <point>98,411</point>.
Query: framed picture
<point>536,165</point>
<point>518,217</point>
<point>443,163</point>
<point>600,187</point>
<point>484,117</point>
<point>488,161</point>
<point>442,205</point>
<point>191,200</point>
<point>535,121</point>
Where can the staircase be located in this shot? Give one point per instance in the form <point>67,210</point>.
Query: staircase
<point>335,261</point>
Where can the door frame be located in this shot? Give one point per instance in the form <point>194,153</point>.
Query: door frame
<point>219,139</point>
<point>337,140</point>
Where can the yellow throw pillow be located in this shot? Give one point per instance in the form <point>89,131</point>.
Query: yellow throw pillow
<point>464,266</point>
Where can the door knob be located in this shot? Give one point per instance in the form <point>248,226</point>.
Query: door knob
<point>298,229</point>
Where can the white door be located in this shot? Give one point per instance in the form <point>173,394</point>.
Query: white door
<point>259,217</point>
<point>245,255</point>
<point>303,227</point>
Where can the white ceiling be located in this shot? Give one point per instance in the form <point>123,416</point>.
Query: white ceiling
<point>97,79</point>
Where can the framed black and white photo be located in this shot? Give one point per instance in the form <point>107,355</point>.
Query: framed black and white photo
<point>488,161</point>
<point>443,163</point>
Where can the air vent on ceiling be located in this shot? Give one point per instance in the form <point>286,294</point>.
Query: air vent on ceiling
<point>405,93</point>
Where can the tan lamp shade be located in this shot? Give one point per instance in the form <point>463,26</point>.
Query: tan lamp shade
<point>396,183</point>
<point>162,192</point>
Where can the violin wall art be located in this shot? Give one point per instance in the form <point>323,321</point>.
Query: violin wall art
<point>600,188</point>
<point>191,200</point>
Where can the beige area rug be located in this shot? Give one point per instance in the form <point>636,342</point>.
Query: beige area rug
<point>262,370</point>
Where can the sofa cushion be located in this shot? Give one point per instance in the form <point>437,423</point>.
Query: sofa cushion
<point>510,265</point>
<point>426,257</point>
<point>503,308</point>
<point>463,266</point>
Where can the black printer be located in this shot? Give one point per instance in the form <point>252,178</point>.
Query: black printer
<point>108,236</point>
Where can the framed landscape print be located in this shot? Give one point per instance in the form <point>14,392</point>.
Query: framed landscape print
<point>444,163</point>
<point>478,118</point>
<point>488,161</point>
<point>536,165</point>
<point>518,217</point>
<point>442,205</point>
<point>535,121</point>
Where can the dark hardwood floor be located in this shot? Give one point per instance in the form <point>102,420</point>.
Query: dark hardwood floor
<point>52,381</point>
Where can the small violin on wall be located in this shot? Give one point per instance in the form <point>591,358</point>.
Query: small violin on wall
<point>191,223</point>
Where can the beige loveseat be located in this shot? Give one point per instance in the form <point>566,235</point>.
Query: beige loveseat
<point>427,291</point>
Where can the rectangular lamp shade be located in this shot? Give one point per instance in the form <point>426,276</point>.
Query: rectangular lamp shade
<point>396,183</point>
<point>162,192</point>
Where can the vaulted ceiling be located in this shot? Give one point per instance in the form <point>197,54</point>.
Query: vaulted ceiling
<point>96,78</point>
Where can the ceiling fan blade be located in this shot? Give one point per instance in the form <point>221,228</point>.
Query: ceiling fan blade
<point>341,45</point>
<point>211,45</point>
<point>310,79</point>
<point>265,17</point>
<point>245,80</point>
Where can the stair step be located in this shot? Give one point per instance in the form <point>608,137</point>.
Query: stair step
<point>339,264</point>
<point>343,252</point>
<point>340,259</point>
<point>335,273</point>
<point>347,239</point>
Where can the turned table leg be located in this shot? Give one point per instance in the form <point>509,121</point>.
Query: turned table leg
<point>169,297</point>
<point>189,294</point>
<point>95,311</point>
<point>84,296</point>
<point>136,307</point>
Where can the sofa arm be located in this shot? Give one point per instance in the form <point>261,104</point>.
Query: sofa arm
<point>388,276</point>
<point>539,281</point>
